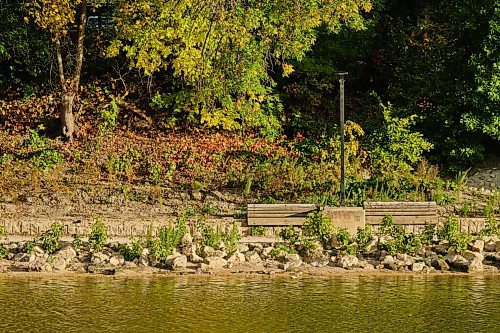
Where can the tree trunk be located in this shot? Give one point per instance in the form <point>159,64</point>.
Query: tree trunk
<point>70,87</point>
<point>66,114</point>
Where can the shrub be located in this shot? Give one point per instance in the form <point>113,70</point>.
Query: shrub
<point>450,231</point>
<point>77,242</point>
<point>28,247</point>
<point>169,237</point>
<point>492,227</point>
<point>231,239</point>
<point>428,234</point>
<point>51,239</point>
<point>98,235</point>
<point>289,235</point>
<point>343,237</point>
<point>258,231</point>
<point>399,241</point>
<point>363,237</point>
<point>133,250</point>
<point>320,227</point>
<point>3,251</point>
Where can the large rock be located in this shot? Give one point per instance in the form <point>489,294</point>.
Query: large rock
<point>417,266</point>
<point>39,265</point>
<point>266,252</point>
<point>372,245</point>
<point>458,262</point>
<point>440,264</point>
<point>180,262</point>
<point>24,257</point>
<point>59,264</point>
<point>215,262</point>
<point>117,260</point>
<point>292,257</point>
<point>99,258</point>
<point>319,262</point>
<point>243,248</point>
<point>348,261</point>
<point>490,243</point>
<point>441,249</point>
<point>475,265</point>
<point>477,245</point>
<point>207,251</point>
<point>236,257</point>
<point>253,257</point>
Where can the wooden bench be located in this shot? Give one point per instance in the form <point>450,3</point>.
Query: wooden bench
<point>408,213</point>
<point>279,214</point>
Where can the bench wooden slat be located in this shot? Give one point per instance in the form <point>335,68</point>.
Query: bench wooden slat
<point>395,213</point>
<point>407,213</point>
<point>368,205</point>
<point>279,214</point>
<point>417,220</point>
<point>276,222</point>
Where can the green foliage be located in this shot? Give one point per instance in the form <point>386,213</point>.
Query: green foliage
<point>3,251</point>
<point>427,234</point>
<point>222,65</point>
<point>51,239</point>
<point>343,237</point>
<point>28,247</point>
<point>363,237</point>
<point>98,235</point>
<point>44,157</point>
<point>169,237</point>
<point>109,116</point>
<point>492,227</point>
<point>77,242</point>
<point>217,237</point>
<point>450,232</point>
<point>133,250</point>
<point>290,235</point>
<point>398,241</point>
<point>394,149</point>
<point>282,248</point>
<point>320,227</point>
<point>258,231</point>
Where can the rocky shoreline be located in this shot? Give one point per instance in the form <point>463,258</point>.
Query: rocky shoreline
<point>482,256</point>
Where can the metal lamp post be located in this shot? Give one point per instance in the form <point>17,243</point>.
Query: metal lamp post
<point>342,158</point>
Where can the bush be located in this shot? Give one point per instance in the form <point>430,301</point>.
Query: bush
<point>399,241</point>
<point>3,251</point>
<point>28,247</point>
<point>450,231</point>
<point>169,237</point>
<point>320,227</point>
<point>290,235</point>
<point>363,237</point>
<point>51,239</point>
<point>133,250</point>
<point>394,149</point>
<point>98,235</point>
<point>258,231</point>
<point>77,242</point>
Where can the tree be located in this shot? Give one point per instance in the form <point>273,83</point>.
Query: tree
<point>224,55</point>
<point>58,17</point>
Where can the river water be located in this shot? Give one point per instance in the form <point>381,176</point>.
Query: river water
<point>198,304</point>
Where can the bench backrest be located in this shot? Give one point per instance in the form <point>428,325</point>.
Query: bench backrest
<point>401,212</point>
<point>279,214</point>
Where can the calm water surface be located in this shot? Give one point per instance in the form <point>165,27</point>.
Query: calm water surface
<point>340,304</point>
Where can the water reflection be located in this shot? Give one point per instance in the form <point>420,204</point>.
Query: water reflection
<point>343,304</point>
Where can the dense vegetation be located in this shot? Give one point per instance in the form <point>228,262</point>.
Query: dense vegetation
<point>243,94</point>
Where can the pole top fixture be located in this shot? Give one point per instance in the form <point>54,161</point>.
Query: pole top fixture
<point>342,73</point>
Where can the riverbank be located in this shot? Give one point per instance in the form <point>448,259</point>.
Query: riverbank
<point>247,260</point>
